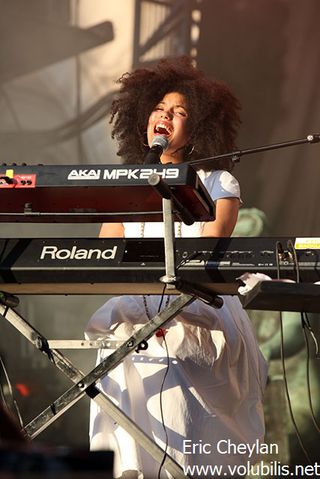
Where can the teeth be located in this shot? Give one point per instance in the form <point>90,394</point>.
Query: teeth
<point>160,127</point>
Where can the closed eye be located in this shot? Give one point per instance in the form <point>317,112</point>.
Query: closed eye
<point>180,112</point>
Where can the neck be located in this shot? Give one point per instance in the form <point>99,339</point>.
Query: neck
<point>167,158</point>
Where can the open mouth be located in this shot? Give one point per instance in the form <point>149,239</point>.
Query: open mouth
<point>162,129</point>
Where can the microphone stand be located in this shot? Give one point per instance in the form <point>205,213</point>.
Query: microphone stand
<point>170,278</point>
<point>236,155</point>
<point>257,298</point>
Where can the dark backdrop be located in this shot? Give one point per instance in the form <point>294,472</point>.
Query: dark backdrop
<point>268,51</point>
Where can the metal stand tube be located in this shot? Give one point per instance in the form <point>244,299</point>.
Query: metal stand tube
<point>85,384</point>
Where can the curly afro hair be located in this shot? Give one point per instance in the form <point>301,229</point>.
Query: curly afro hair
<point>213,111</point>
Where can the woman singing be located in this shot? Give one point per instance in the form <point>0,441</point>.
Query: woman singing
<point>200,382</point>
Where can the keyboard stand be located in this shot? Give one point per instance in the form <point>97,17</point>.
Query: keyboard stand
<point>86,384</point>
<point>169,204</point>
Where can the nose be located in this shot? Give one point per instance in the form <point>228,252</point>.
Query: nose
<point>166,113</point>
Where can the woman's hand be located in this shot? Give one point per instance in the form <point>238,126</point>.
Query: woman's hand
<point>226,218</point>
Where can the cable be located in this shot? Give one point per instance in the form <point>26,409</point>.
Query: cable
<point>161,408</point>
<point>161,298</point>
<point>305,324</point>
<point>191,256</point>
<point>279,253</point>
<point>161,390</point>
<point>7,396</point>
<point>5,377</point>
<point>162,333</point>
<point>295,259</point>
<point>308,326</point>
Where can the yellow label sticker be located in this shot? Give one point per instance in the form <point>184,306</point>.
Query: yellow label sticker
<point>307,243</point>
<point>9,173</point>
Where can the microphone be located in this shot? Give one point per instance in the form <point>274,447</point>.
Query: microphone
<point>159,144</point>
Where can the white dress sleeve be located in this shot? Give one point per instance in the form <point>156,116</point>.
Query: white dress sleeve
<point>220,184</point>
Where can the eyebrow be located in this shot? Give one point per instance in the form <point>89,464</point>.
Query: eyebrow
<point>179,106</point>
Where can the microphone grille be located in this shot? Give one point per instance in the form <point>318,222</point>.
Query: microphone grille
<point>160,140</point>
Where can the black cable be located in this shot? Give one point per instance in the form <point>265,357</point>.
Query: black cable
<point>304,327</point>
<point>279,252</point>
<point>305,324</point>
<point>2,387</point>
<point>161,299</point>
<point>293,252</point>
<point>6,393</point>
<point>190,256</point>
<point>14,405</point>
<point>161,391</point>
<point>182,263</point>
<point>161,408</point>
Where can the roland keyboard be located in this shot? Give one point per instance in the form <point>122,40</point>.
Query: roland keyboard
<point>135,266</point>
<point>97,193</point>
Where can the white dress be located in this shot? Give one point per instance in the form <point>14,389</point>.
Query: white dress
<point>213,389</point>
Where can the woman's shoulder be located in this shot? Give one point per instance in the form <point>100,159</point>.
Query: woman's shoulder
<point>220,183</point>
<point>214,174</point>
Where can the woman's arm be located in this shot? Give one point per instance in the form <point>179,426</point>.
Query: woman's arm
<point>111,230</point>
<point>226,218</point>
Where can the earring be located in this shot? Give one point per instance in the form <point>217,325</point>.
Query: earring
<point>191,150</point>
